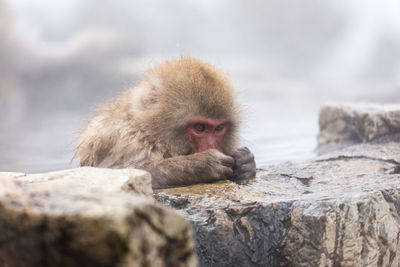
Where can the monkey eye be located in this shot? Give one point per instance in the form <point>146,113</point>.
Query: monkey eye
<point>200,127</point>
<point>219,127</point>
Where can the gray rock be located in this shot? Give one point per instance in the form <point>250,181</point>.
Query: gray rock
<point>4,175</point>
<point>339,209</point>
<point>93,179</point>
<point>356,123</point>
<point>68,219</point>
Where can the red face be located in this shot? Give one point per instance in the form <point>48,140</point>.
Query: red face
<point>204,133</point>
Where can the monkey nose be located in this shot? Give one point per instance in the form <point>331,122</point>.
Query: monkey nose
<point>207,143</point>
<point>211,143</point>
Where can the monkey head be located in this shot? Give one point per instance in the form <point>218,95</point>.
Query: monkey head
<point>190,105</point>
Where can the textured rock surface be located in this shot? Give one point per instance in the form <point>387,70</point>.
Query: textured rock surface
<point>93,179</point>
<point>356,122</point>
<point>339,209</point>
<point>69,219</point>
<point>11,174</point>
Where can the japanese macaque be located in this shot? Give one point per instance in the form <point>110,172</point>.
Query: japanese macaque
<point>180,124</point>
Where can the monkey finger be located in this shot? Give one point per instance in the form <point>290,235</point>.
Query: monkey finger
<point>246,171</point>
<point>226,172</point>
<point>244,158</point>
<point>243,149</point>
<point>247,167</point>
<point>221,157</point>
<point>240,151</point>
<point>227,161</point>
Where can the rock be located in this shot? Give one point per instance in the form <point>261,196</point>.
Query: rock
<point>68,219</point>
<point>11,174</point>
<point>94,179</point>
<point>339,209</point>
<point>343,124</point>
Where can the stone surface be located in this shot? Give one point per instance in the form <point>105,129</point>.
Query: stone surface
<point>339,209</point>
<point>11,174</point>
<point>93,179</point>
<point>357,122</point>
<point>65,219</point>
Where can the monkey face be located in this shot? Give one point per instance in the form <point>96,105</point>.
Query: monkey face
<point>205,133</point>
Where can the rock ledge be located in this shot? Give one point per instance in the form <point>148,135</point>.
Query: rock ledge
<point>339,209</point>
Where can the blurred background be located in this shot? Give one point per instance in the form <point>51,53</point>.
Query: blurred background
<point>59,60</point>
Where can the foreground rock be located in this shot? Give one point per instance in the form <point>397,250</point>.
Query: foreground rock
<point>68,219</point>
<point>339,209</point>
<point>134,181</point>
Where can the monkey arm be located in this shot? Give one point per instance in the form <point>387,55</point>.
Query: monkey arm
<point>245,165</point>
<point>206,166</point>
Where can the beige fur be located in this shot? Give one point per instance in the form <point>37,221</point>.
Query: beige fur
<point>147,123</point>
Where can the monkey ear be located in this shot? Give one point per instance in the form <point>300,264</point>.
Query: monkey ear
<point>151,97</point>
<point>153,91</point>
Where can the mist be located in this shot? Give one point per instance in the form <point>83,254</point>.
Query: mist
<point>59,60</point>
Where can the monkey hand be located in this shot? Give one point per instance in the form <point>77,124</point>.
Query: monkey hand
<point>203,167</point>
<point>219,165</point>
<point>245,166</point>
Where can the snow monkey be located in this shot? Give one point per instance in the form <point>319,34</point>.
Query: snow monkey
<point>180,123</point>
